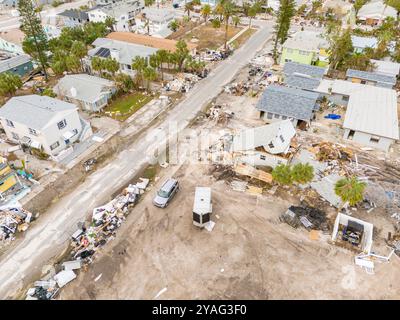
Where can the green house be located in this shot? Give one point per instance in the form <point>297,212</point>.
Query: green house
<point>307,47</point>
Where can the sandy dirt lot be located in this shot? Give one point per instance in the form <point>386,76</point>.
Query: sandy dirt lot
<point>249,254</point>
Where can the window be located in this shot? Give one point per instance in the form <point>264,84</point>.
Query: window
<point>363,82</point>
<point>10,123</point>
<point>75,131</point>
<point>345,98</point>
<point>62,124</point>
<point>281,137</point>
<point>284,117</point>
<point>374,139</point>
<point>54,145</point>
<point>271,145</point>
<point>15,136</point>
<point>289,50</point>
<point>303,53</point>
<point>32,131</point>
<point>276,116</point>
<point>262,157</point>
<point>269,115</point>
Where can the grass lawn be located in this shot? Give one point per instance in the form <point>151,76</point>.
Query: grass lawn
<point>123,107</point>
<point>243,38</point>
<point>210,37</point>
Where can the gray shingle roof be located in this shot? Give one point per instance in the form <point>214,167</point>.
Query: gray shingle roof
<point>382,80</point>
<point>312,71</point>
<point>290,102</point>
<point>75,14</point>
<point>13,62</point>
<point>34,111</point>
<point>302,81</point>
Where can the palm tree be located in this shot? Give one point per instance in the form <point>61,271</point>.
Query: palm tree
<point>228,9</point>
<point>188,8</point>
<point>162,58</point>
<point>205,12</point>
<point>282,174</point>
<point>173,25</point>
<point>97,64</point>
<point>236,21</point>
<point>350,190</point>
<point>302,173</point>
<point>139,64</point>
<point>149,74</point>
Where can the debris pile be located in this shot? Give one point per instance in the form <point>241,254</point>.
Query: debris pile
<point>237,88</point>
<point>12,220</point>
<point>219,116</point>
<point>183,83</point>
<point>309,217</point>
<point>86,241</point>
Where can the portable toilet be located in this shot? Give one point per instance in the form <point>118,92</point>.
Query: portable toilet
<point>202,207</point>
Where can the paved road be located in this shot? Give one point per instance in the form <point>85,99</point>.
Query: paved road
<point>13,22</point>
<point>49,237</point>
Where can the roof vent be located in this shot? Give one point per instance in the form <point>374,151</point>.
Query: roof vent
<point>73,92</point>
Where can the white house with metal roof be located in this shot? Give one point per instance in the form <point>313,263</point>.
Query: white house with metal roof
<point>43,123</point>
<point>88,92</point>
<point>371,117</point>
<point>386,67</point>
<point>375,12</point>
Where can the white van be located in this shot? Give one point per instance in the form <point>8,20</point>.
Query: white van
<point>202,207</point>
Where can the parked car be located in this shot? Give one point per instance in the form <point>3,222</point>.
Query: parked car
<point>166,193</point>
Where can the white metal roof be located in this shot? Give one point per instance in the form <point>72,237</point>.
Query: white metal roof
<point>376,10</point>
<point>386,67</point>
<point>370,109</point>
<point>202,200</point>
<point>307,41</point>
<point>252,138</point>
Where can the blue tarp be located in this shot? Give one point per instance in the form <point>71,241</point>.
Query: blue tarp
<point>333,116</point>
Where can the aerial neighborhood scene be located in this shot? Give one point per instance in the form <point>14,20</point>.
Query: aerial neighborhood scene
<point>199,149</point>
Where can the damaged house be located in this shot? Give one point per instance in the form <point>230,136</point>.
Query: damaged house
<point>280,103</point>
<point>352,233</point>
<point>267,145</point>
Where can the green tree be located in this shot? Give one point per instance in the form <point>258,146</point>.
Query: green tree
<point>216,23</point>
<point>35,42</point>
<point>181,53</point>
<point>139,64</point>
<point>302,173</point>
<point>358,4</point>
<point>149,3</point>
<point>110,22</point>
<point>97,64</point>
<point>205,12</point>
<point>359,61</point>
<point>252,12</point>
<point>79,50</point>
<point>236,21</point>
<point>228,10</point>
<point>340,49</point>
<point>72,62</point>
<point>350,190</point>
<point>173,25</point>
<point>282,26</point>
<point>111,65</point>
<point>282,174</point>
<point>301,10</point>
<point>162,59</point>
<point>94,30</point>
<point>123,82</point>
<point>188,8</point>
<point>48,92</point>
<point>9,83</point>
<point>149,74</point>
